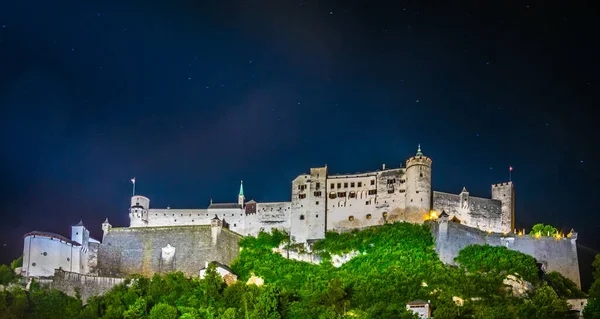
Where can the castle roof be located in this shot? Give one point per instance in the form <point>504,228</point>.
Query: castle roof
<point>417,302</point>
<point>80,223</point>
<point>241,188</point>
<point>223,205</point>
<point>444,214</point>
<point>51,235</point>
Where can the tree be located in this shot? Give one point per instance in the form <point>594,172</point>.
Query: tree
<point>543,230</point>
<point>545,303</point>
<point>213,284</point>
<point>137,310</point>
<point>163,311</point>
<point>17,263</point>
<point>6,275</point>
<point>267,304</point>
<point>592,309</point>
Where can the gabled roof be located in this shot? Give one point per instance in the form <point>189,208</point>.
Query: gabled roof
<point>218,264</point>
<point>216,217</point>
<point>224,205</point>
<point>417,302</point>
<point>443,214</point>
<point>51,235</point>
<point>80,223</point>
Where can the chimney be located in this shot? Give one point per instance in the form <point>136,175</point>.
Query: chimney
<point>383,167</point>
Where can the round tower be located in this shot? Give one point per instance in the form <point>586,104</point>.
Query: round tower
<point>418,187</point>
<point>138,212</point>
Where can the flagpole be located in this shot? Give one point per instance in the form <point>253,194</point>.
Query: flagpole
<point>133,181</point>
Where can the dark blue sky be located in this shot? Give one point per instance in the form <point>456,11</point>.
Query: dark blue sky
<point>192,97</point>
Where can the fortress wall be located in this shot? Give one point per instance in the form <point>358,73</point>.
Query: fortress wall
<point>87,285</point>
<point>482,213</point>
<point>555,255</point>
<point>145,251</point>
<point>268,216</point>
<point>391,203</point>
<point>171,217</point>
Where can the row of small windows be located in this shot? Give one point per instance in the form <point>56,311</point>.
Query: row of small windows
<point>368,216</point>
<point>302,217</point>
<point>302,187</point>
<point>352,194</point>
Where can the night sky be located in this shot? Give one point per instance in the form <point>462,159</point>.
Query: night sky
<point>190,97</point>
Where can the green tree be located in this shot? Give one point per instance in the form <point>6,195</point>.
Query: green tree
<point>592,309</point>
<point>6,275</point>
<point>545,303</point>
<point>17,263</point>
<point>543,230</point>
<point>163,311</point>
<point>137,310</point>
<point>267,304</point>
<point>213,284</point>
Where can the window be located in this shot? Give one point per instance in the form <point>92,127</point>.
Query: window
<point>318,186</point>
<point>332,195</point>
<point>372,192</point>
<point>317,203</point>
<point>234,225</point>
<point>345,185</point>
<point>391,181</point>
<point>359,184</point>
<point>390,191</point>
<point>301,217</point>
<point>45,254</point>
<point>372,182</point>
<point>68,259</point>
<point>332,185</point>
<point>33,264</point>
<point>317,194</point>
<point>317,216</point>
<point>301,196</point>
<point>421,175</point>
<point>352,195</point>
<point>341,194</point>
<point>402,190</point>
<point>351,218</point>
<point>368,216</point>
<point>402,181</point>
<point>339,185</point>
<point>352,184</point>
<point>302,187</point>
<point>384,214</point>
<point>368,202</point>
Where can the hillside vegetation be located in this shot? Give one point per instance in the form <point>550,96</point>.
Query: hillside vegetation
<point>395,264</point>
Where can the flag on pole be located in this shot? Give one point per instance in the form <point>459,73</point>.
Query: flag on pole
<point>133,179</point>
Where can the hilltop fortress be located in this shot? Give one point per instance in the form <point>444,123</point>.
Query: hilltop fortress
<point>161,240</point>
<point>321,202</point>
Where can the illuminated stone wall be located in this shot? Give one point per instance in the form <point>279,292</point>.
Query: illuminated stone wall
<point>144,250</point>
<point>554,254</point>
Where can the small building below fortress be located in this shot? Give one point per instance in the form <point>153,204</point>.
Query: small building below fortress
<point>161,240</point>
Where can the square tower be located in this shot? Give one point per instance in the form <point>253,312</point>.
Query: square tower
<point>505,193</point>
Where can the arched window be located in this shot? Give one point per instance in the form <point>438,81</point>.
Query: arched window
<point>368,216</point>
<point>384,214</point>
<point>350,218</point>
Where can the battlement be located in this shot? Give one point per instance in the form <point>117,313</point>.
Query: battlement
<point>419,160</point>
<point>502,184</point>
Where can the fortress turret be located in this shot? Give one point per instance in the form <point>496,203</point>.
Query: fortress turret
<point>418,187</point>
<point>106,226</point>
<point>505,192</point>
<point>138,212</point>
<point>241,197</point>
<point>80,234</point>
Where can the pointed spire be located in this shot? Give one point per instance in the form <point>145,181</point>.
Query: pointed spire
<point>106,221</point>
<point>80,223</point>
<point>464,190</point>
<point>419,153</point>
<point>241,188</point>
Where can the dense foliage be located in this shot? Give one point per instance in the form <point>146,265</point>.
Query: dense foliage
<point>543,230</point>
<point>394,264</point>
<point>592,310</point>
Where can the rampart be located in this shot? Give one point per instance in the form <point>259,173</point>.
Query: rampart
<point>151,250</point>
<point>554,254</point>
<point>70,283</point>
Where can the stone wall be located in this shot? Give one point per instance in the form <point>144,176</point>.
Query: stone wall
<point>554,254</point>
<point>482,213</point>
<point>87,285</point>
<point>153,250</point>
